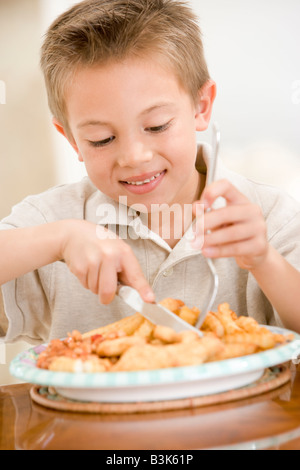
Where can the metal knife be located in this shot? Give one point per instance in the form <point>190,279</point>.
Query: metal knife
<point>155,313</point>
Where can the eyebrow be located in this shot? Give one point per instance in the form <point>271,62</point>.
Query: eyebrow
<point>93,122</point>
<point>157,106</point>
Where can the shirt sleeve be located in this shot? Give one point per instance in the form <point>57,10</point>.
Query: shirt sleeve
<point>26,299</point>
<point>286,240</point>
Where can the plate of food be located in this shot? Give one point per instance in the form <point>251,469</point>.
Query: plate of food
<point>134,360</point>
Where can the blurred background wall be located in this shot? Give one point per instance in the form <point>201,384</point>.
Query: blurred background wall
<point>26,164</point>
<point>252,49</point>
<point>253,54</point>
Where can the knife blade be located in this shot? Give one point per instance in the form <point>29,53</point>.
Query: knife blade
<point>155,313</point>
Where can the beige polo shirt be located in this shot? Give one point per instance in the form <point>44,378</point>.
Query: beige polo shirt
<point>50,301</point>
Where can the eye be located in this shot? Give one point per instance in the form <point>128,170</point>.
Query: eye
<point>159,129</point>
<point>102,143</point>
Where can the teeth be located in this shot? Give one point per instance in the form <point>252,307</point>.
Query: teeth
<point>139,183</point>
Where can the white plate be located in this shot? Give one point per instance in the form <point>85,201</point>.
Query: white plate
<point>155,385</point>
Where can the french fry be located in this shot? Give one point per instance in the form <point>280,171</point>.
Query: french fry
<point>250,325</point>
<point>235,350</point>
<point>224,314</point>
<point>213,324</point>
<point>261,340</point>
<point>282,339</point>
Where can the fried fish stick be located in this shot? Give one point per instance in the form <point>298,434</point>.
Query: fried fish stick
<point>116,347</point>
<point>172,304</point>
<point>128,325</point>
<point>189,315</point>
<point>172,355</point>
<point>145,330</point>
<point>91,364</point>
<point>166,334</point>
<point>188,336</point>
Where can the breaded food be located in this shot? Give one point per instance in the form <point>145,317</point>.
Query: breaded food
<point>170,355</point>
<point>128,325</point>
<point>134,343</point>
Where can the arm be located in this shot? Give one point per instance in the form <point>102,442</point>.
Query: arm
<point>239,230</point>
<point>280,282</point>
<point>97,261</point>
<point>25,249</point>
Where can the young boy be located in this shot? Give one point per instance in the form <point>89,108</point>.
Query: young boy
<point>128,87</point>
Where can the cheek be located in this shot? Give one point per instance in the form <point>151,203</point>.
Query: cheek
<point>98,171</point>
<point>183,149</point>
<point>184,133</point>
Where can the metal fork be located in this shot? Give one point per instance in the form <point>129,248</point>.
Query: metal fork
<point>214,276</point>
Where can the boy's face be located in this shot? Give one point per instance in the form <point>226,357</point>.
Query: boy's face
<point>134,127</point>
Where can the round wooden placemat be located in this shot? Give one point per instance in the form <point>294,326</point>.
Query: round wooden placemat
<point>273,378</point>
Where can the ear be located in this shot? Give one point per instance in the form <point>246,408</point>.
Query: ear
<point>204,105</point>
<point>60,128</point>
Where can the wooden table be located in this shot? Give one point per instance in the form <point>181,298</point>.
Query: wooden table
<point>268,421</point>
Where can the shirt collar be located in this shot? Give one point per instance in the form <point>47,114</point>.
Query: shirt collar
<point>110,213</point>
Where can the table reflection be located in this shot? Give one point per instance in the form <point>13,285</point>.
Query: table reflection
<point>265,421</point>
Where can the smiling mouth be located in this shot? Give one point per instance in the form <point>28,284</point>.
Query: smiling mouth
<point>145,181</point>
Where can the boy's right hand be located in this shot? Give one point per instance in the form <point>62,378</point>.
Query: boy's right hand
<point>100,262</point>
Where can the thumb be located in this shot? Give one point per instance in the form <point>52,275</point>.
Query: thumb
<point>140,285</point>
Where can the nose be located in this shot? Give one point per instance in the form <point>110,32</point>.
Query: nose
<point>134,153</point>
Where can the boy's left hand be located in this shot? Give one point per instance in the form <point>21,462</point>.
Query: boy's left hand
<point>237,230</point>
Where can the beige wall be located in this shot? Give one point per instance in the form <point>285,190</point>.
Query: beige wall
<point>26,164</point>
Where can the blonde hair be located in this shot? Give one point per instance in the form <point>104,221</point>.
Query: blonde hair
<point>94,32</point>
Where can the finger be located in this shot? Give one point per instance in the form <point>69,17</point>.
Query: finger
<point>107,282</point>
<point>222,188</point>
<point>132,275</point>
<point>244,248</point>
<point>92,279</point>
<point>213,221</point>
<point>233,215</point>
<point>80,270</point>
<point>230,234</point>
